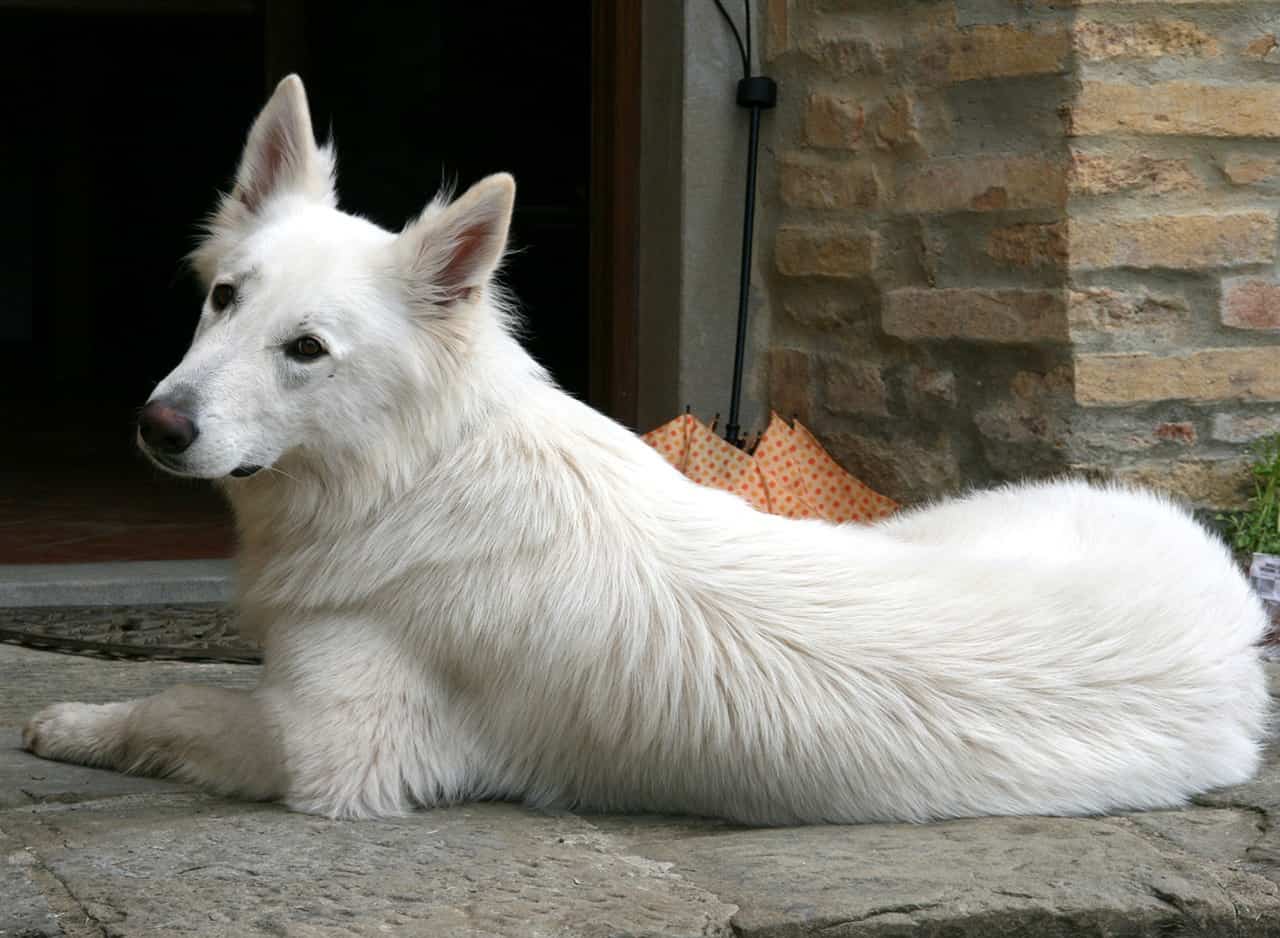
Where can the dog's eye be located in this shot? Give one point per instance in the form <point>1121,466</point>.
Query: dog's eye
<point>306,348</point>
<point>222,296</point>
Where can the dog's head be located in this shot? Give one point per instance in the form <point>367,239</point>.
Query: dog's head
<point>317,325</point>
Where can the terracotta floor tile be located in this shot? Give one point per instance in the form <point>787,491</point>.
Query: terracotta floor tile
<point>77,498</point>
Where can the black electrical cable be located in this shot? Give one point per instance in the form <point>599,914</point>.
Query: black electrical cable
<point>756,93</point>
<point>737,37</point>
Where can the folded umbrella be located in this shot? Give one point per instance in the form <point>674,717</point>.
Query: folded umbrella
<point>788,473</point>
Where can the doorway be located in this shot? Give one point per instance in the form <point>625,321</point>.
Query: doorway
<point>122,122</point>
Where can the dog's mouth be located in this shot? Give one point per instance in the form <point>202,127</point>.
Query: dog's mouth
<point>165,463</point>
<point>177,468</point>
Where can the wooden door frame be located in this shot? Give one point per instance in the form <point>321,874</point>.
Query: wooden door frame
<point>615,160</point>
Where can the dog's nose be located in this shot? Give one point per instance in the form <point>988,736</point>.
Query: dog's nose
<point>165,428</point>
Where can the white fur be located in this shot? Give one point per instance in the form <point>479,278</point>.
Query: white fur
<point>469,584</point>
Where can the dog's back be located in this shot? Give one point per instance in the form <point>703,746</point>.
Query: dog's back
<point>1040,649</point>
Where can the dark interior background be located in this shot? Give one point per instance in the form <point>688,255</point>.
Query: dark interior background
<point>118,131</point>
<point>121,121</point>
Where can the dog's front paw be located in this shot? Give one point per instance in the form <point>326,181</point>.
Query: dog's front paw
<point>90,734</point>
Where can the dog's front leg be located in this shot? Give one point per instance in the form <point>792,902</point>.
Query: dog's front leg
<point>222,740</point>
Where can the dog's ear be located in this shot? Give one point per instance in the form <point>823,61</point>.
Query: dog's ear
<point>449,253</point>
<point>281,155</point>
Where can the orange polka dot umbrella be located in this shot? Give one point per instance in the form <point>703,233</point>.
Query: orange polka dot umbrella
<point>789,473</point>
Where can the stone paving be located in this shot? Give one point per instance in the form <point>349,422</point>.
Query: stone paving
<point>89,853</point>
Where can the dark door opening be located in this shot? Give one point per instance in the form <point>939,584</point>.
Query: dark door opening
<point>119,129</point>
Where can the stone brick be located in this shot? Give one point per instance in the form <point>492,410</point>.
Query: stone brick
<point>847,57</point>
<point>983,184</point>
<point>790,383</point>
<point>1244,374</point>
<point>1251,303</point>
<point>1030,246</point>
<point>841,253</point>
<point>1144,39</point>
<point>1110,433</point>
<point>777,28</point>
<point>1108,310</point>
<point>1003,51</point>
<point>809,182</point>
<point>853,387</point>
<point>896,126</point>
<point>1221,484</point>
<point>1137,3</point>
<point>1263,46</point>
<point>1033,413</point>
<point>925,385</point>
<point>1180,432</point>
<point>839,6</point>
<point>1244,428</point>
<point>1005,316</point>
<point>835,121</point>
<point>1006,422</point>
<point>902,469</point>
<point>1245,170</point>
<point>1103,174</point>
<point>1184,108</point>
<point>924,19</point>
<point>824,313</point>
<point>1173,241</point>
<point>1032,385</point>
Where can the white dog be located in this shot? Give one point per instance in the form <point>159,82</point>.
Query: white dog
<point>470,585</point>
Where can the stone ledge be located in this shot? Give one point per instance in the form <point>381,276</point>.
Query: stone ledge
<point>138,858</point>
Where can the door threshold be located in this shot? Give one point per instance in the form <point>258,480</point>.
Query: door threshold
<point>132,583</point>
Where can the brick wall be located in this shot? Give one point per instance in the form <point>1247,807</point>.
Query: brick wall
<point>1017,237</point>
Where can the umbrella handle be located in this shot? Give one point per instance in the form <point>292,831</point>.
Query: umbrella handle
<point>758,93</point>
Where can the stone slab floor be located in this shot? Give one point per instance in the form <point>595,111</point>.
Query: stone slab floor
<point>88,853</point>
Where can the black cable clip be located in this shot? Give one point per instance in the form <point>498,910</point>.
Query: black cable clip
<point>758,91</point>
